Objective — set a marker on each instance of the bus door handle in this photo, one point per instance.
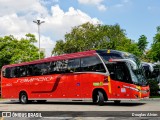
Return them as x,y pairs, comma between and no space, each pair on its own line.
118,86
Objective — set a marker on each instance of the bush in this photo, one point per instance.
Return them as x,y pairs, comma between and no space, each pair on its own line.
153,84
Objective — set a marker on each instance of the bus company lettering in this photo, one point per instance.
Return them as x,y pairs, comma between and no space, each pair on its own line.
39,79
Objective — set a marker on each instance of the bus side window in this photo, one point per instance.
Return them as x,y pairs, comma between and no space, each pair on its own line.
6,72
65,66
110,67
123,73
119,72
12,72
40,69
36,69
58,66
17,72
74,65
22,71
52,67
44,68
92,63
29,71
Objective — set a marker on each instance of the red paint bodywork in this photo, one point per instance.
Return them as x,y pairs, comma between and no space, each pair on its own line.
68,85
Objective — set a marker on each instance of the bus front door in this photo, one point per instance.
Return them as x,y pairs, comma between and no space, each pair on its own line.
120,80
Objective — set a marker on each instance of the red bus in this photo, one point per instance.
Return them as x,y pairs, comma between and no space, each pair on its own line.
97,75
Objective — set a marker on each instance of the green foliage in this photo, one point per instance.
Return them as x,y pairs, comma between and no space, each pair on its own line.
142,43
88,36
14,50
129,46
153,87
154,53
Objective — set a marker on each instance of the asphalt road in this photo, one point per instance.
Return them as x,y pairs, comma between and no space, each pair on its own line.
125,107
143,105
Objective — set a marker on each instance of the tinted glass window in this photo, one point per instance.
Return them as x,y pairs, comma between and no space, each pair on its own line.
52,67
7,72
58,66
39,69
30,70
119,71
107,56
22,71
36,69
44,68
74,65
14,72
92,63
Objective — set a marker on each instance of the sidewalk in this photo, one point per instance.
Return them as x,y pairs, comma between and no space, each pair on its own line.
151,99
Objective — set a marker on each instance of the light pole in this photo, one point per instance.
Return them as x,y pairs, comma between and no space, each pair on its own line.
38,22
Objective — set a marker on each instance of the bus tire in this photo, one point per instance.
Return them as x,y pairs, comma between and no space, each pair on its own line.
117,101
100,98
23,98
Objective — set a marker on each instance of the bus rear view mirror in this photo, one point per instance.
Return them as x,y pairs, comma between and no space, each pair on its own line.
151,70
131,62
150,66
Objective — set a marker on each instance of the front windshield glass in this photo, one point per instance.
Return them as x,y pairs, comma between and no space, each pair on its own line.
137,76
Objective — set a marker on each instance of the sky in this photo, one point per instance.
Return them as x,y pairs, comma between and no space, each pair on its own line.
136,17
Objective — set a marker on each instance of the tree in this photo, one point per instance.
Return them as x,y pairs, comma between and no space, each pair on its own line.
130,46
14,50
154,53
142,43
88,36
153,84
59,49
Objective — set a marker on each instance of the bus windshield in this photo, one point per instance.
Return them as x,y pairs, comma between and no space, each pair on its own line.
137,76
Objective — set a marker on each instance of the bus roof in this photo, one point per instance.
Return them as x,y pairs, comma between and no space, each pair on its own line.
114,51
55,58
67,56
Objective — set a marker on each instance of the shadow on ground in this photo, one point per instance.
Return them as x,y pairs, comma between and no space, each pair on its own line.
110,103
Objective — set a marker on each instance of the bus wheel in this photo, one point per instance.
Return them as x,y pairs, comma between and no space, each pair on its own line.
100,98
23,98
117,101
